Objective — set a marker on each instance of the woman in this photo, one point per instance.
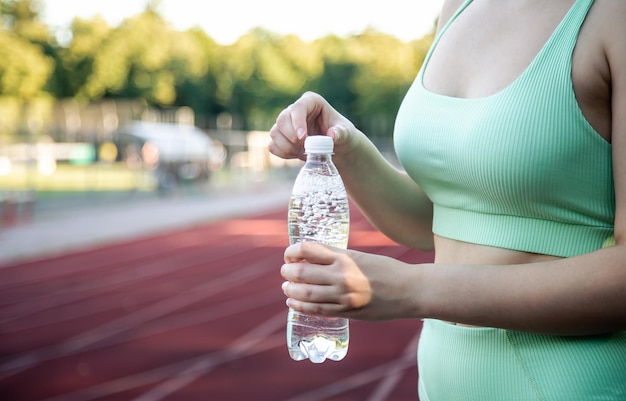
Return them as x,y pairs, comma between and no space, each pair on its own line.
513,139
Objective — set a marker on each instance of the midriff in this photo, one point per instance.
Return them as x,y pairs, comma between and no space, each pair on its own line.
450,251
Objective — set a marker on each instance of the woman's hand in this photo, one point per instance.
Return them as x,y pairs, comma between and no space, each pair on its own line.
309,115
327,281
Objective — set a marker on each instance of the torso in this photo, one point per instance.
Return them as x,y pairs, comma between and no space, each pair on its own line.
457,252
475,59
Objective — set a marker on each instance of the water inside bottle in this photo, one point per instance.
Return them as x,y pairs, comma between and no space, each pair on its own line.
320,215
319,212
317,338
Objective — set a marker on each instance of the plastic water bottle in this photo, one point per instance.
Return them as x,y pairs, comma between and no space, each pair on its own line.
318,211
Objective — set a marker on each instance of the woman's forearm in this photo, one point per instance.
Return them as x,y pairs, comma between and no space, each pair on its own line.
581,295
388,197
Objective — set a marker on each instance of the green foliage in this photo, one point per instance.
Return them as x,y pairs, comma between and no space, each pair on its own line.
24,69
365,76
24,66
22,17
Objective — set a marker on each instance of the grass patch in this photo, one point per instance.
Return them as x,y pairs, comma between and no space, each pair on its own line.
72,178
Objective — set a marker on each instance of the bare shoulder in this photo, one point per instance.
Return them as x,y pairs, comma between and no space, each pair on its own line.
615,31
608,19
447,11
610,22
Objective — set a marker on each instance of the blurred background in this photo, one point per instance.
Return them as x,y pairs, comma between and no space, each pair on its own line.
105,98
142,218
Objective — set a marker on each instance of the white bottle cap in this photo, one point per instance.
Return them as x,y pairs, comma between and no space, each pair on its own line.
318,144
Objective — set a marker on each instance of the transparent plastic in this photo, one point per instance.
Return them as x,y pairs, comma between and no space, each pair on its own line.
318,211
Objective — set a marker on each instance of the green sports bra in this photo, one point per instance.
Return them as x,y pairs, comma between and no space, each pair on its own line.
521,169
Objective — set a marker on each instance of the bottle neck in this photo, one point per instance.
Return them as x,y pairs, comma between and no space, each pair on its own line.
319,157
321,163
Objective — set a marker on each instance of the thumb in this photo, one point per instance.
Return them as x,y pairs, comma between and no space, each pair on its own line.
338,132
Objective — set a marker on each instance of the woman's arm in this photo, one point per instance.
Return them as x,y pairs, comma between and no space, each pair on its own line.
576,296
580,295
387,196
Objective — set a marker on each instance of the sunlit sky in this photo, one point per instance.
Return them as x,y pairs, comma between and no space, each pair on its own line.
227,20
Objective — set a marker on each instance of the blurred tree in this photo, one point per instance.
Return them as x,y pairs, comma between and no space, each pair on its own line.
261,73
76,60
335,81
386,69
364,76
130,60
24,69
198,54
143,58
23,18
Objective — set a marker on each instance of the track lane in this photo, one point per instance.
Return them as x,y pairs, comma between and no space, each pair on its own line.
187,315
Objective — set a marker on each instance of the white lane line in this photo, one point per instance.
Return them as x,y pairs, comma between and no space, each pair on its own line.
78,343
90,287
242,346
193,318
393,377
60,267
359,379
255,341
175,322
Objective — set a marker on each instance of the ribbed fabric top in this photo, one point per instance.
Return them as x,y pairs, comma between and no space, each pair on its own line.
521,169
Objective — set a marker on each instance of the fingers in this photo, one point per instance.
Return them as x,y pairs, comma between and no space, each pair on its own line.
284,138
314,300
309,293
316,279
306,116
319,309
309,277
309,263
293,121
313,252
308,289
306,112
282,147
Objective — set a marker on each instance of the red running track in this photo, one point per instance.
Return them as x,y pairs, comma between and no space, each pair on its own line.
195,314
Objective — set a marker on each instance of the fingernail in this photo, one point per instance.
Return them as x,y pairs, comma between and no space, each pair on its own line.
300,133
284,285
